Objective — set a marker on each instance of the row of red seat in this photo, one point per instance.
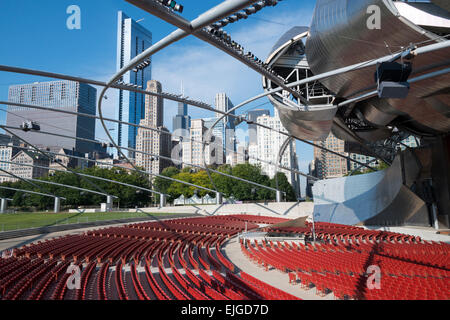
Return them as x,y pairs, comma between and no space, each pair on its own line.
198,268
342,267
325,230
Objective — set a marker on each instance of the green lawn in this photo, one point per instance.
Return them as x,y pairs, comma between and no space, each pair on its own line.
17,221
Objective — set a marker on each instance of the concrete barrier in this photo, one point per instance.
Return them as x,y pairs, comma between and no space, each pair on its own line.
290,210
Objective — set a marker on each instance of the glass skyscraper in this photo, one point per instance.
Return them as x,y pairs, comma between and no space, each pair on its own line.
132,39
181,122
66,95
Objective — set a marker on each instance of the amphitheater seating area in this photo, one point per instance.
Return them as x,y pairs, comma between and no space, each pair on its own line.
338,262
184,259
163,260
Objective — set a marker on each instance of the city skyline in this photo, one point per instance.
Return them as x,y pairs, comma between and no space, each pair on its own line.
196,64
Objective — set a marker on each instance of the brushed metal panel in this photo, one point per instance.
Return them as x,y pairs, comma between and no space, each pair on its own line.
339,37
378,197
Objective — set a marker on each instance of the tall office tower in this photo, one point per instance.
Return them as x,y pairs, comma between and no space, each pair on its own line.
353,166
329,165
193,149
310,182
242,154
253,115
268,146
219,138
223,103
132,39
63,95
181,122
411,142
151,142
8,149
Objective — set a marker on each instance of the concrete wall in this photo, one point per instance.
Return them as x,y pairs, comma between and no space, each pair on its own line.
289,210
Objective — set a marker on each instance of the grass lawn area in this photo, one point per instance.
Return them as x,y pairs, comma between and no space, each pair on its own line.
25,220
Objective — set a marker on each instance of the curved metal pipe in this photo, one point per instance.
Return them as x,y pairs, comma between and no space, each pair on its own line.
219,12
85,175
26,181
121,167
149,154
31,192
131,124
69,187
280,157
43,153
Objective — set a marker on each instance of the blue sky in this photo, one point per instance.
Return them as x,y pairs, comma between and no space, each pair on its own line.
34,35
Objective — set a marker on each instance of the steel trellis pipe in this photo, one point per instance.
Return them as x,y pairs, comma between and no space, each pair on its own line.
29,182
149,154
44,154
94,141
134,125
120,167
280,157
31,192
85,175
70,187
219,12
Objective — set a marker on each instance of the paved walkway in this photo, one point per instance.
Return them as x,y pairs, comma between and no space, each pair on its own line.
232,250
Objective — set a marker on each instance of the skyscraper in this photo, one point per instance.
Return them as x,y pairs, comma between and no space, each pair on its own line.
328,165
65,95
223,103
181,122
253,115
193,148
150,141
268,146
132,39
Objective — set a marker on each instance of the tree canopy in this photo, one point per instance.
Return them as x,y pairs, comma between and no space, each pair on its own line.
131,197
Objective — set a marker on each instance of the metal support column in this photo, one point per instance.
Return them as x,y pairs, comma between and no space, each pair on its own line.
279,196
4,205
109,203
162,200
57,205
219,199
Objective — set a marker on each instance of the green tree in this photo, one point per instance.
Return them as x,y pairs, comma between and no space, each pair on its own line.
163,185
177,189
284,186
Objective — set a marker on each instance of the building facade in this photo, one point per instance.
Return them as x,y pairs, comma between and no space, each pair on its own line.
132,39
268,146
222,102
181,122
328,165
219,138
151,142
29,158
64,95
66,157
8,149
252,116
193,148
